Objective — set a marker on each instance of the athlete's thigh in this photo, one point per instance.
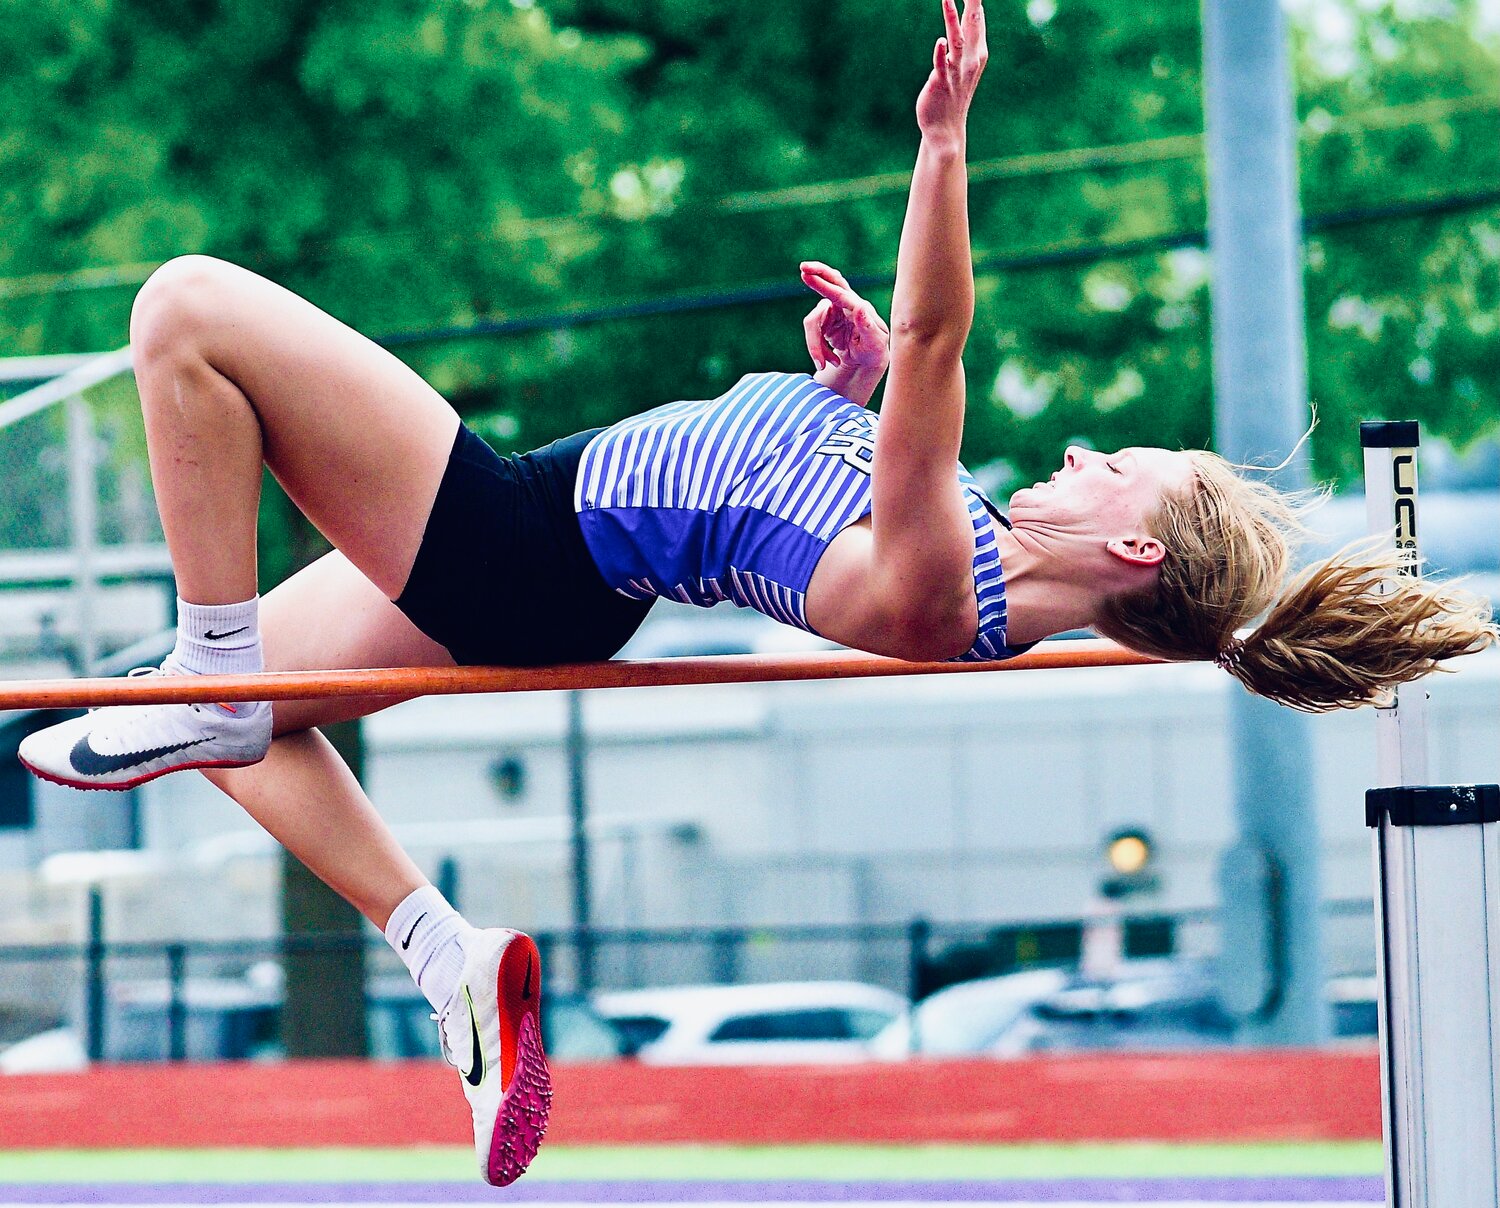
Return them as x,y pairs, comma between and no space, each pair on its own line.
358,440
329,616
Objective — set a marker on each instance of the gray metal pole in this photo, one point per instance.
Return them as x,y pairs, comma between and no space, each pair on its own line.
1260,398
96,992
583,916
83,502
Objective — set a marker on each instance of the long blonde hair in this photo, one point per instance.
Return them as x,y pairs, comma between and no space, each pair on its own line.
1343,632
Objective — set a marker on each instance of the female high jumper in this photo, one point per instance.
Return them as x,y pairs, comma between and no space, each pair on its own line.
785,495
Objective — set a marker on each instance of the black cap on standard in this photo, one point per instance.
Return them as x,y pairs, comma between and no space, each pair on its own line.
1389,434
1433,804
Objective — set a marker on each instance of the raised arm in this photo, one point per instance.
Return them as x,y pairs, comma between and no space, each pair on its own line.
922,538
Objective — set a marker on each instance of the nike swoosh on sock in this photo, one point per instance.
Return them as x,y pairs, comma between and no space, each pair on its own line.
406,943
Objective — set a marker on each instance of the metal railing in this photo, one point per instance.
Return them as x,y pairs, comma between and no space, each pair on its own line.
83,570
915,957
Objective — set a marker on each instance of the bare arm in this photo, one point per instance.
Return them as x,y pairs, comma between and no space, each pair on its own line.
922,539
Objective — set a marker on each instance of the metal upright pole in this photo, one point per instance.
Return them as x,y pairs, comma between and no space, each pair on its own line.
95,990
583,912
83,501
1437,869
1272,899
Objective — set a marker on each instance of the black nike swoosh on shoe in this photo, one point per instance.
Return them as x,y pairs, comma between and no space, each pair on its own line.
88,762
474,1075
526,985
211,636
406,943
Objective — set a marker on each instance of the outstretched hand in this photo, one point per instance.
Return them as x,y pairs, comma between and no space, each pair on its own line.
958,61
843,329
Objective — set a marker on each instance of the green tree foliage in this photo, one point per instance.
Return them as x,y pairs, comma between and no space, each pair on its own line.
1403,316
378,158
422,164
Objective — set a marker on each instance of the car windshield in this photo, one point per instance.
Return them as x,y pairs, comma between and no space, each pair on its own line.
965,1018
638,1030
803,1023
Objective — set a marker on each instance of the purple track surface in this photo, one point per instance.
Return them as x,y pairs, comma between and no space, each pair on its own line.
1348,1189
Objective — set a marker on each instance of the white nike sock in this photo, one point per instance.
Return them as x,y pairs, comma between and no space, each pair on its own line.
428,935
218,639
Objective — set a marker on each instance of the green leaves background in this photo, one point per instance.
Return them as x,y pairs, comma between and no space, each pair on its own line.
420,165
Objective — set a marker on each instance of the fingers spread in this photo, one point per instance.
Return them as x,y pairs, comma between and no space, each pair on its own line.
951,24
973,33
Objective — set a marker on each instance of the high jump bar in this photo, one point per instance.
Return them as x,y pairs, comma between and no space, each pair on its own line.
405,682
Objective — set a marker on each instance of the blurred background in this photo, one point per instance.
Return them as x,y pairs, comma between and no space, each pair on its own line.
562,212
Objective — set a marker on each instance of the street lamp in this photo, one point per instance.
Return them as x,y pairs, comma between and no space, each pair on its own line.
1128,853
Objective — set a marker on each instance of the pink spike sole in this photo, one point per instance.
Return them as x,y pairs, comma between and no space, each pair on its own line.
521,1122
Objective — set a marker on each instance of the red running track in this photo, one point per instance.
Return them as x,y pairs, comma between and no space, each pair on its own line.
1242,1096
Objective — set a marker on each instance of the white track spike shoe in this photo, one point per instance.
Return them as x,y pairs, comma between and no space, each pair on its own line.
121,746
492,1034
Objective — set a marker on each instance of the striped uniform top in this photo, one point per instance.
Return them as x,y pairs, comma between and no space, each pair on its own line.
736,498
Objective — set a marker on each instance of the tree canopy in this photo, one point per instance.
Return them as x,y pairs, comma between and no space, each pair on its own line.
641,180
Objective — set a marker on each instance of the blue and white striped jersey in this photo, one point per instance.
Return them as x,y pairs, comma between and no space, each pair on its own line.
736,498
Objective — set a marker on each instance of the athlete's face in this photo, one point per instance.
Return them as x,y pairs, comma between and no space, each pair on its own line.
1105,495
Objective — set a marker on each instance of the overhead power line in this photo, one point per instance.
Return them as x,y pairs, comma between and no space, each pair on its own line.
1434,206
1009,167
1318,125
1086,159
1056,256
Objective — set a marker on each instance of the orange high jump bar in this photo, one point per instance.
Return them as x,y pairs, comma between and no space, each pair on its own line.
403,682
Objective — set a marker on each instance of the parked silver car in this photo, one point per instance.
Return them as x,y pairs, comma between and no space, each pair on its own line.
774,1023
1166,1003
969,1017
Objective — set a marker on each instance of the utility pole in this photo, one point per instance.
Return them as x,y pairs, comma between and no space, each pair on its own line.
578,814
1270,881
323,1011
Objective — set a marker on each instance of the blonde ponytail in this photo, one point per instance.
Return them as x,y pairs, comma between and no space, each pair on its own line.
1342,633
1350,628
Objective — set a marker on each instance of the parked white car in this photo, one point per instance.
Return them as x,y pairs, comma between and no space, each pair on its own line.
774,1023
969,1017
57,1050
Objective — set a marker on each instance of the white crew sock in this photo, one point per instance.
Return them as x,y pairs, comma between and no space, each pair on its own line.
218,639
428,935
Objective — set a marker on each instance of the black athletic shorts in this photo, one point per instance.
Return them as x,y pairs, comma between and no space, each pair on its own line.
502,575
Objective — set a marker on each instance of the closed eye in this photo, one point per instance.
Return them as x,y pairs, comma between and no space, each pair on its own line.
1114,467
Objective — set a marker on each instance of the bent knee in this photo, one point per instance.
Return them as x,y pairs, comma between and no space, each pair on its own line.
179,304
